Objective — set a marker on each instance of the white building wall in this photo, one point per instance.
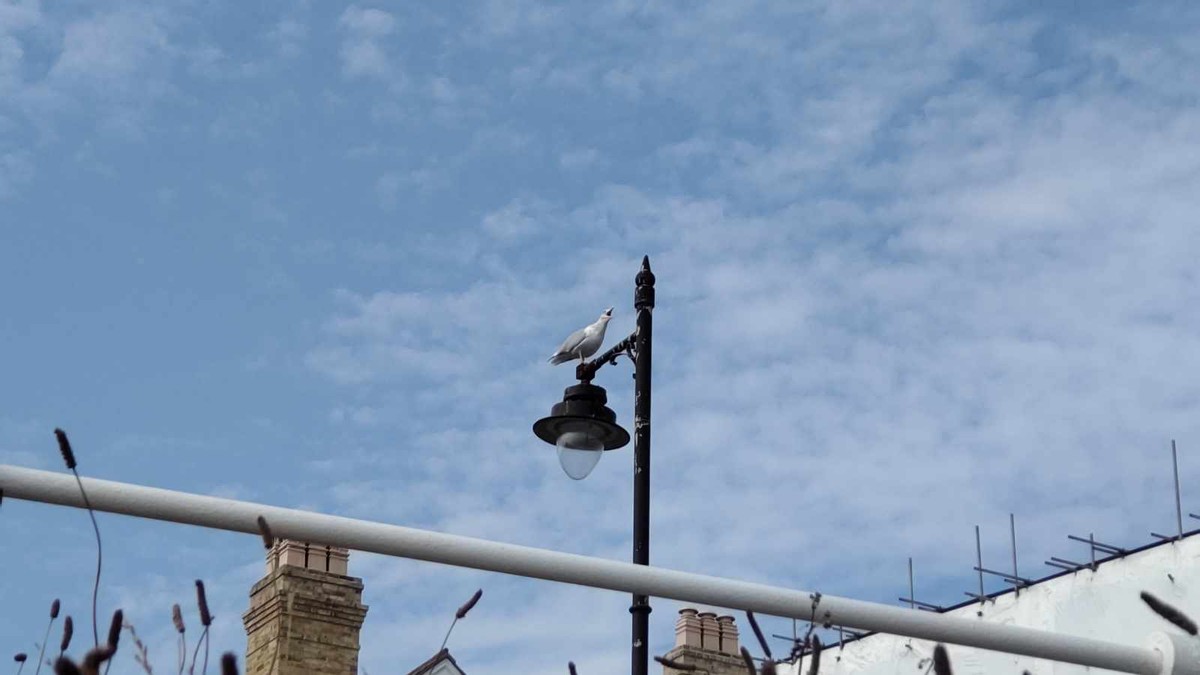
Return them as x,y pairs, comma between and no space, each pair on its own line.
1104,605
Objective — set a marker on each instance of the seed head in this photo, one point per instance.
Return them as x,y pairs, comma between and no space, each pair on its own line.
68,631
64,446
98,655
462,611
202,602
114,629
177,618
265,530
1170,613
941,660
65,666
749,660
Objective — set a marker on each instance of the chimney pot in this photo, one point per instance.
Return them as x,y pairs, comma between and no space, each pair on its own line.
710,632
687,628
729,635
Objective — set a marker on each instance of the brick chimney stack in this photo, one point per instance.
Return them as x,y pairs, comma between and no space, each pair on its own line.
305,614
707,641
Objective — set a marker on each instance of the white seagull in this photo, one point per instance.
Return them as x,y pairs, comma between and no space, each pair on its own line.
583,342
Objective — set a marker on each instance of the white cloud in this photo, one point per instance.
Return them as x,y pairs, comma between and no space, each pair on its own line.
516,220
393,186
15,170
114,63
902,291
914,273
16,19
109,48
362,51
16,16
579,158
368,22
288,36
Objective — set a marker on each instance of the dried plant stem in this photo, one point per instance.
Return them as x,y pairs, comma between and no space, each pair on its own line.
99,557
64,446
203,638
762,642
142,656
182,652
204,669
450,630
42,654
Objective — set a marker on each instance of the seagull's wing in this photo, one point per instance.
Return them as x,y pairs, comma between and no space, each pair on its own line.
567,351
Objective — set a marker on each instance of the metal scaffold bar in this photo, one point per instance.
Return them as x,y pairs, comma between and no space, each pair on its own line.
394,540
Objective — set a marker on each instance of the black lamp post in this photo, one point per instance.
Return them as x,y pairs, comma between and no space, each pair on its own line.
583,427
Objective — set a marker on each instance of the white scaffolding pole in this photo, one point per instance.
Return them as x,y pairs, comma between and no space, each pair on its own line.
1160,658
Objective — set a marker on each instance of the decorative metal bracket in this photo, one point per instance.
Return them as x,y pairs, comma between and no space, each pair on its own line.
584,372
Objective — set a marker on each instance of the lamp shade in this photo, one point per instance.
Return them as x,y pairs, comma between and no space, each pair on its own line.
581,426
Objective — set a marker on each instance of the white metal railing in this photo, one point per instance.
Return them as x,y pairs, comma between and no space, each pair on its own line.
1163,655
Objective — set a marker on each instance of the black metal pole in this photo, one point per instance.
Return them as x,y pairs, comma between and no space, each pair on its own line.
643,302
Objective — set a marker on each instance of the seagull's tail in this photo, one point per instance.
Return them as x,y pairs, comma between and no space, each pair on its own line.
560,358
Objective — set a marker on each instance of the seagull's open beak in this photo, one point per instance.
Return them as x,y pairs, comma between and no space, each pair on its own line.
608,312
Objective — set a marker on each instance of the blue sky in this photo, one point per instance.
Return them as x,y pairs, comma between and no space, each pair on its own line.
921,265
